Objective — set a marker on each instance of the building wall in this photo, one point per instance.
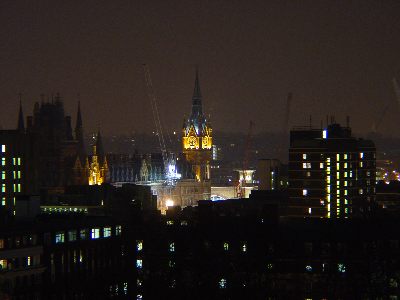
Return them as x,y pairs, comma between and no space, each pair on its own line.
331,176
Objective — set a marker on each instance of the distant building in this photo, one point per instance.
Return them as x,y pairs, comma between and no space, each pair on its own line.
331,173
197,137
270,174
57,148
18,162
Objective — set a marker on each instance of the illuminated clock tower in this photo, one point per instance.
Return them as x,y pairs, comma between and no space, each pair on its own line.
197,137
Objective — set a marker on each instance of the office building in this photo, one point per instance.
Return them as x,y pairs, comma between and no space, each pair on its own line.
331,173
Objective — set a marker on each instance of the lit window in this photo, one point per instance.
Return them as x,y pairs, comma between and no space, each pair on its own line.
346,201
244,247
83,234
361,191
14,161
95,233
19,174
118,230
308,268
3,148
3,161
139,245
345,165
328,179
337,175
139,297
270,266
304,156
19,161
19,187
304,165
308,174
361,164
171,264
341,268
345,174
338,157
345,156
337,166
139,282
72,235
1,244
309,210
305,192
107,232
351,174
139,263
222,283
324,134
361,155
226,246
321,165
28,261
345,192
3,264
172,247
308,165
345,183
170,222
59,237
3,175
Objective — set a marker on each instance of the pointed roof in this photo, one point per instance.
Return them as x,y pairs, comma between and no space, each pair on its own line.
99,146
21,126
78,117
196,99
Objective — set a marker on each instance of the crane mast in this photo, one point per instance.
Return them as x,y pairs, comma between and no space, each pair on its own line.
156,116
245,163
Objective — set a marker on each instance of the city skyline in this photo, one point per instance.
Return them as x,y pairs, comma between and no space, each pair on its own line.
336,58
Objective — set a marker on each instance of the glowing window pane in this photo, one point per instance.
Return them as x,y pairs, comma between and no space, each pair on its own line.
139,263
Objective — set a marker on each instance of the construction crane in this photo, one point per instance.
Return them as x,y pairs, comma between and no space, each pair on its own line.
245,163
156,117
378,122
396,90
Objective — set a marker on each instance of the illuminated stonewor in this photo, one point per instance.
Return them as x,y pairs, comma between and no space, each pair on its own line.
197,137
98,168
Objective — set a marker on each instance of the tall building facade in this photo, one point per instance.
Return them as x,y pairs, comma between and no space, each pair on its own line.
331,173
18,159
197,137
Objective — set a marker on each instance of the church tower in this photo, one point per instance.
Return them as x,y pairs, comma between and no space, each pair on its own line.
197,137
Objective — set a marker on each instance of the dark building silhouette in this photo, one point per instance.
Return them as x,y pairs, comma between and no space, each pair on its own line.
57,147
18,164
331,173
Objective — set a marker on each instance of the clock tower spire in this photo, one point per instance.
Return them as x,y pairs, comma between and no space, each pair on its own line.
197,136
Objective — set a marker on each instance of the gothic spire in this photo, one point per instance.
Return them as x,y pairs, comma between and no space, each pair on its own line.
78,117
21,126
99,146
79,132
196,99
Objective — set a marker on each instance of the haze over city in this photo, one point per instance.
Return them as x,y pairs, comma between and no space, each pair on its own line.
336,57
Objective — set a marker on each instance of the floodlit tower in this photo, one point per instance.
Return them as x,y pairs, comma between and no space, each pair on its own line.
197,137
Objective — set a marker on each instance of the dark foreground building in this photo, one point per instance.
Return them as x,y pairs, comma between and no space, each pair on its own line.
237,250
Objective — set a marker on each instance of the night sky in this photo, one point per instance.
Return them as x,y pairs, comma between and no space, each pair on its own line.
337,57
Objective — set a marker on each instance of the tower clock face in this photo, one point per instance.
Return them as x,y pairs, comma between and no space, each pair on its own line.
192,142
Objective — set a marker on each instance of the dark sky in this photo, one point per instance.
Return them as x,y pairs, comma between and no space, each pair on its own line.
337,57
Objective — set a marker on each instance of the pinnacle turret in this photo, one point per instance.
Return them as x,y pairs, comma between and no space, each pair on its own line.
197,109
